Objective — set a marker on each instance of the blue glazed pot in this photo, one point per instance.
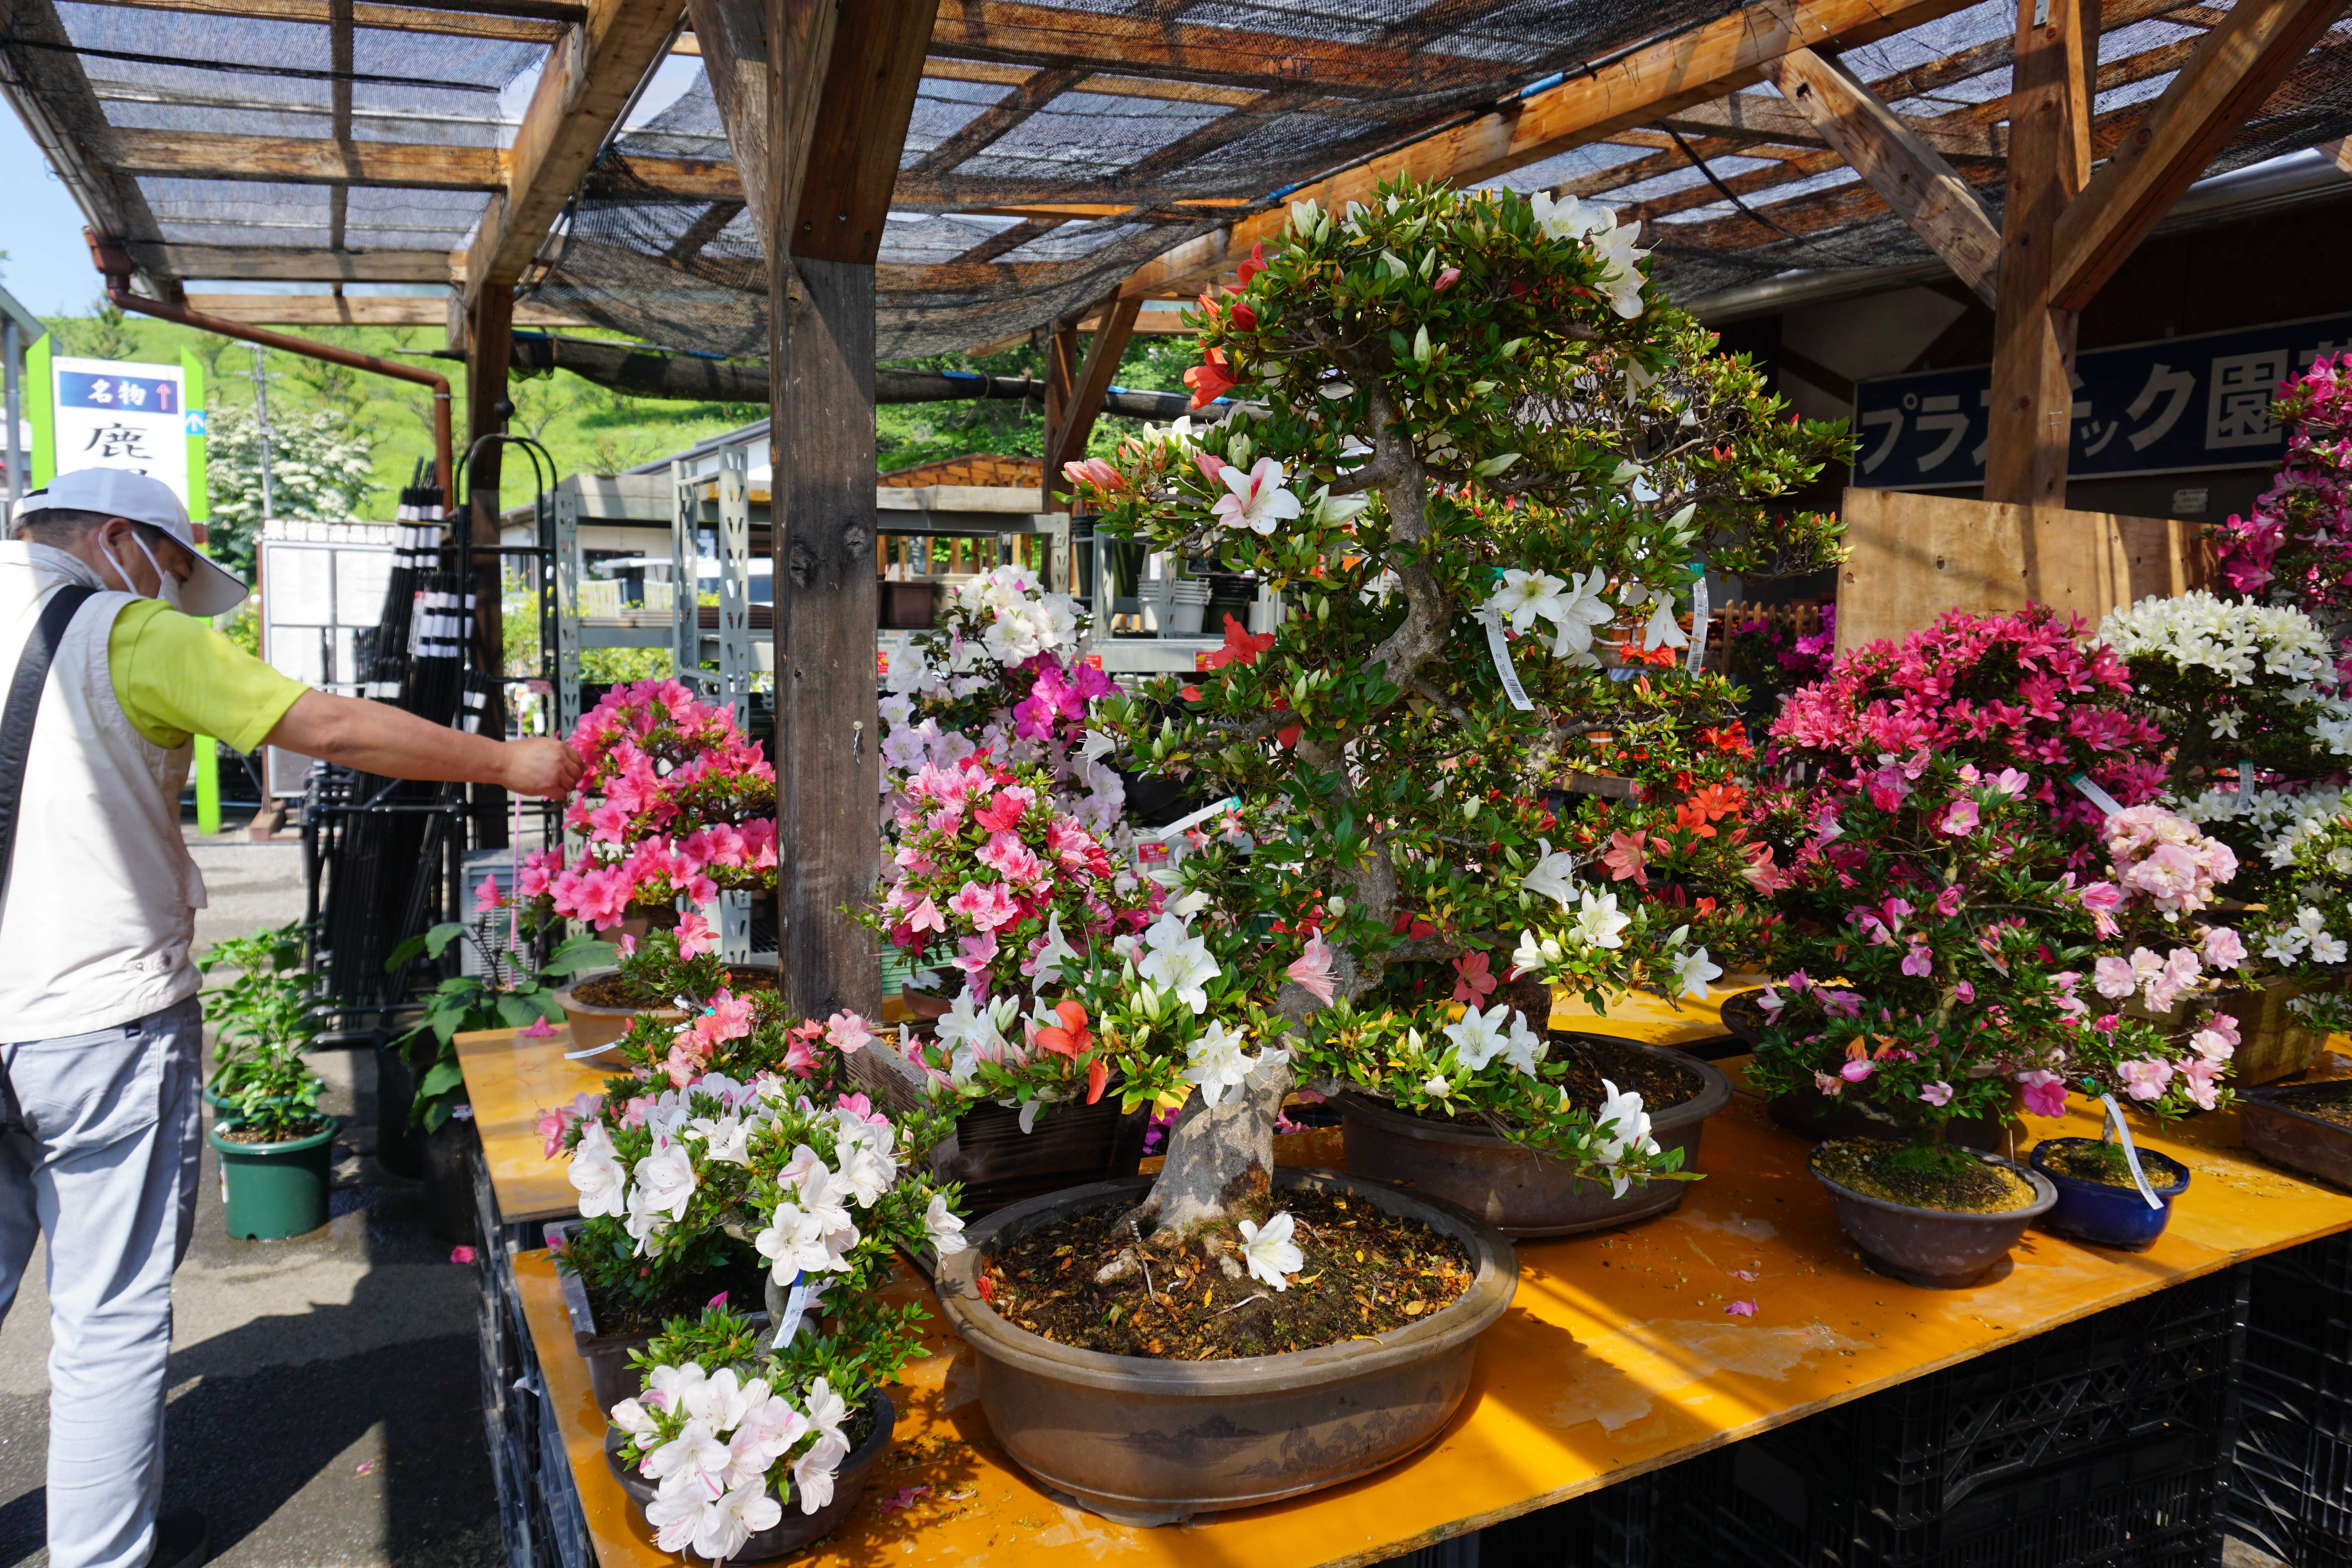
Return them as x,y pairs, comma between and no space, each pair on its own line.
2104,1215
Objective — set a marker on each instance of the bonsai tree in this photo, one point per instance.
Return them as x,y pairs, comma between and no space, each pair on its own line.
1954,863
2294,548
1465,441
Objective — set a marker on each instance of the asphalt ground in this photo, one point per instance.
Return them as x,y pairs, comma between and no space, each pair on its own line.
324,1408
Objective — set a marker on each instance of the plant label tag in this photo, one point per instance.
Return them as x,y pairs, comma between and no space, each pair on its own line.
2245,787
795,1309
2093,794
2131,1150
1501,649
1698,624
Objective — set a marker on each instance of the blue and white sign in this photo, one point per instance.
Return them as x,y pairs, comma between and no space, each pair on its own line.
111,415
2171,406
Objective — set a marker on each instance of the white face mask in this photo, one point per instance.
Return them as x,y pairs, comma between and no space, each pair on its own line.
167,587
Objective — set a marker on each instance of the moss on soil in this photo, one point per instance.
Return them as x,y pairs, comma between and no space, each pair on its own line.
614,990
2104,1163
1365,1272
1922,1175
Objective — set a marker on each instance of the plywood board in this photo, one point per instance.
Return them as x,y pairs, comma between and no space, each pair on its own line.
1916,556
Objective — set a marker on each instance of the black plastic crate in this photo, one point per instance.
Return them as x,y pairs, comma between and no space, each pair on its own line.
2290,1491
2100,1444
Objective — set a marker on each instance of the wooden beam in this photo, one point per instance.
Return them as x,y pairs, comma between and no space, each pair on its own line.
523,21
1915,181
736,65
2234,69
295,264
356,311
940,67
860,126
1781,120
2033,340
301,160
1066,440
580,95
1018,33
1694,67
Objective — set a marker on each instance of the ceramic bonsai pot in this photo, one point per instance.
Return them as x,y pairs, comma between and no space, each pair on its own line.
593,1024
272,1191
2105,1215
1518,1190
1145,1441
1811,1114
1940,1248
925,1005
797,1528
611,1377
2277,1125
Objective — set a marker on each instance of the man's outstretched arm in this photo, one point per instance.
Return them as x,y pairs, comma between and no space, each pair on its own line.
377,738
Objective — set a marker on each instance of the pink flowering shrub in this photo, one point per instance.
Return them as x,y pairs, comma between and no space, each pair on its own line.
991,875
2295,547
676,803
1994,927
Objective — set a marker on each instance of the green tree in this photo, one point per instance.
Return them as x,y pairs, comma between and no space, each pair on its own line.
105,335
320,465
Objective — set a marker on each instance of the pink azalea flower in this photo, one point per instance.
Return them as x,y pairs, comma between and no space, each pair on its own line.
926,916
847,1032
2224,949
1312,969
487,896
538,1029
2113,977
1919,960
2203,1079
1473,979
1936,1093
695,937
1856,1071
2045,1092
1960,820
2144,1079
1828,1084
1741,1309
1964,992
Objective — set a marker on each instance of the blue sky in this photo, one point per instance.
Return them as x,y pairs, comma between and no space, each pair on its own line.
48,266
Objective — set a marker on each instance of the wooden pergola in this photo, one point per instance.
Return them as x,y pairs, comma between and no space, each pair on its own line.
1766,128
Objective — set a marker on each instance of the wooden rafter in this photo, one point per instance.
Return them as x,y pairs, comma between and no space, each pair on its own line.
860,125
2234,69
580,97
1749,115
1065,439
524,21
1695,67
356,311
1006,240
698,234
305,159
736,66
1018,33
294,264
1897,163
940,68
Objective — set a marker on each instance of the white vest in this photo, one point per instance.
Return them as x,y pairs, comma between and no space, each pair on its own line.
99,911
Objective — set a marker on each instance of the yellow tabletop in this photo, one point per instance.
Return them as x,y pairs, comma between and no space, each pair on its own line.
511,1079
1617,1356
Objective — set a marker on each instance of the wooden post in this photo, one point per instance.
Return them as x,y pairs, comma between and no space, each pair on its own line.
2033,341
489,342
843,82
1081,405
1061,386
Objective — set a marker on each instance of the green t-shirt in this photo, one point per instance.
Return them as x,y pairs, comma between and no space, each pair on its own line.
176,677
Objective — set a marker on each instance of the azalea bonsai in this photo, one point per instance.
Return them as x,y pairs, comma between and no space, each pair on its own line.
2295,547
2000,922
674,801
1465,444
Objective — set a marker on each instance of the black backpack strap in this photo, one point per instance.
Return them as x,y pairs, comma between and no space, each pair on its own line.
24,706
15,750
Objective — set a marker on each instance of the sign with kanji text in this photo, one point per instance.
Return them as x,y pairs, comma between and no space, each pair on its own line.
116,416
2174,406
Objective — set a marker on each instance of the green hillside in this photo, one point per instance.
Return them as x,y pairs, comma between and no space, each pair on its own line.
586,428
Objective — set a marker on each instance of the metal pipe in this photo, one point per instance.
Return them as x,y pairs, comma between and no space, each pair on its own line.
115,264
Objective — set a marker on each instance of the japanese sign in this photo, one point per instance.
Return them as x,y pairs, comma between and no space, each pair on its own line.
2170,407
134,416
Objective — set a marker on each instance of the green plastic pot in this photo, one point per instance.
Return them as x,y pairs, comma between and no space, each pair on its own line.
272,1191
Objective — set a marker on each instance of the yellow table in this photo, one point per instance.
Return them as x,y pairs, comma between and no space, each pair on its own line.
1617,1356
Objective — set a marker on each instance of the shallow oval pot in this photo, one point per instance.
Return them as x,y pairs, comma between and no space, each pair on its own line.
2277,1124
2107,1215
1146,1441
1940,1248
795,1529
1518,1190
591,1024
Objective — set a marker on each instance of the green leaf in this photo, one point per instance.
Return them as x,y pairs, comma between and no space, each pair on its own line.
440,1079
519,1013
404,952
442,935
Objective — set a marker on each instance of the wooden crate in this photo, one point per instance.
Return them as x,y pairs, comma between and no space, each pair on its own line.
1916,556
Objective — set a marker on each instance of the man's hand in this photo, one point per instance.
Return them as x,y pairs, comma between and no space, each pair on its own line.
547,769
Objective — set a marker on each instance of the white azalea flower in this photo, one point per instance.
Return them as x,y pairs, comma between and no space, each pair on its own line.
942,1228
1269,1251
1179,961
1582,607
1694,972
597,1173
1524,596
1553,874
1257,501
1623,1126
1537,955
1525,1047
667,1180
1479,1038
1217,1062
733,1520
1598,923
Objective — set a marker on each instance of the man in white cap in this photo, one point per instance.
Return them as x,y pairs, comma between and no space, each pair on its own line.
107,670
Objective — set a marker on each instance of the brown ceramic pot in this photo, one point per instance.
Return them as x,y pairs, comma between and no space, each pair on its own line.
592,1024
1145,1441
926,1004
1518,1190
1935,1247
797,1528
610,1376
2275,1125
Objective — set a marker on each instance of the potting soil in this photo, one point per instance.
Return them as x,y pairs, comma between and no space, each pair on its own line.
2335,1107
1871,1167
1365,1272
291,1133
2102,1163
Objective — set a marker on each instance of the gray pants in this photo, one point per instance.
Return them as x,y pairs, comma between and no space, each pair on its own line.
106,1168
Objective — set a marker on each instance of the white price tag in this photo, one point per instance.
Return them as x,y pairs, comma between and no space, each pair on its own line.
2131,1150
1499,646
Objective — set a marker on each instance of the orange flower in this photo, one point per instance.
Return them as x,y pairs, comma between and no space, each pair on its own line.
1098,1075
1252,265
1241,647
1071,1038
1209,380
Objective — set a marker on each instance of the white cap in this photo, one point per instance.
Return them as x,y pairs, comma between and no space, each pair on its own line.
211,589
